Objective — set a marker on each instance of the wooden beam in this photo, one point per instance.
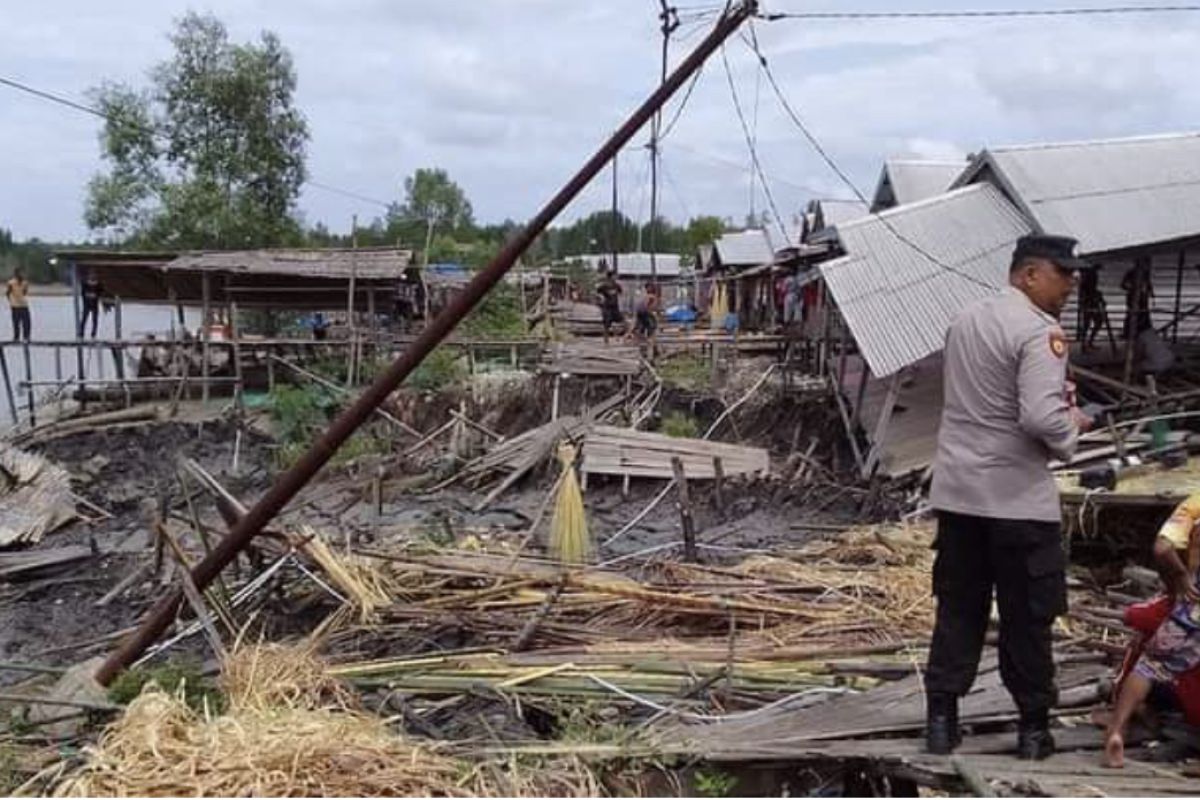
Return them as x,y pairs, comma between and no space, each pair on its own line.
881,426
686,521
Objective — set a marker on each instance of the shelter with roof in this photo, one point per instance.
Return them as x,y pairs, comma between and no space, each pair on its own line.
901,275
904,181
293,279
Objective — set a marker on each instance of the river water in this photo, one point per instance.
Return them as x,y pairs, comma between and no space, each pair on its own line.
53,319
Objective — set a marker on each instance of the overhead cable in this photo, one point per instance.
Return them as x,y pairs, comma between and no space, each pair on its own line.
155,131
979,14
737,105
845,179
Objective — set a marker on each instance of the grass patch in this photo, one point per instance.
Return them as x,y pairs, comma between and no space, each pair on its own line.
685,371
714,782
680,425
441,369
497,315
173,677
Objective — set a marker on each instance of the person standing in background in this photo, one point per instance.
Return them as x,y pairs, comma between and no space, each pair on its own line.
17,291
91,292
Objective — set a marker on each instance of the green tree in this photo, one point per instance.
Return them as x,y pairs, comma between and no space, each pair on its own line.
703,230
211,155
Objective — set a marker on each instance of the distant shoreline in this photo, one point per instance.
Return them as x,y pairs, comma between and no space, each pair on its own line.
50,289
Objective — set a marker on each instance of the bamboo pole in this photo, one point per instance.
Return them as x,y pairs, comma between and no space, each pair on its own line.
291,482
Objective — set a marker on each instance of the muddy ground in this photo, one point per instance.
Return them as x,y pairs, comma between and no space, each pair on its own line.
131,474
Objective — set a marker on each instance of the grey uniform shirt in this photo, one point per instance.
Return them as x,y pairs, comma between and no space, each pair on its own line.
1006,412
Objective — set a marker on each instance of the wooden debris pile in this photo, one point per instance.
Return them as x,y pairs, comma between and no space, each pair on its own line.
620,451
35,497
759,631
584,357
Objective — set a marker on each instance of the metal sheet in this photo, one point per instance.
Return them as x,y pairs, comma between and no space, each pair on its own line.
903,182
898,302
1110,195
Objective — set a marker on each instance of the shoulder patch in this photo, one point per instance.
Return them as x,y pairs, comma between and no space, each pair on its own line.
1058,343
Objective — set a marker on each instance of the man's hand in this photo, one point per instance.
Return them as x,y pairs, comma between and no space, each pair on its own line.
1081,420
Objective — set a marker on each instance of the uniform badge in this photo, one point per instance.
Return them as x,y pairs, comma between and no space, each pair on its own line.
1058,343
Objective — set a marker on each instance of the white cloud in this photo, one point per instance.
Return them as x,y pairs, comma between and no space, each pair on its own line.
510,96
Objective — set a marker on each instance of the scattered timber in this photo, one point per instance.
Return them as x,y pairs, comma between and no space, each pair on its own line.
35,497
619,451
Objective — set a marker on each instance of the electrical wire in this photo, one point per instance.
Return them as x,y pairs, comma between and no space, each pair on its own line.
157,131
682,105
979,14
845,179
737,105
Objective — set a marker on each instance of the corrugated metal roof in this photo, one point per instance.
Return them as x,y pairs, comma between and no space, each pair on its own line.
746,249
899,304
666,265
836,212
903,181
364,263
1110,194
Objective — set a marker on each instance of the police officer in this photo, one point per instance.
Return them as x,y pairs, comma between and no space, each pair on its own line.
1007,412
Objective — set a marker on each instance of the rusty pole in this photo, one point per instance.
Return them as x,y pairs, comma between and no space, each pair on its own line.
288,484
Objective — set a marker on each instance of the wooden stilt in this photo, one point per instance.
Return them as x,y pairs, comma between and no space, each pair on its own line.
685,511
719,484
205,311
8,388
29,386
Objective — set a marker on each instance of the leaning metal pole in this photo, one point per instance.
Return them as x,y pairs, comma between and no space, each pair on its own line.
292,481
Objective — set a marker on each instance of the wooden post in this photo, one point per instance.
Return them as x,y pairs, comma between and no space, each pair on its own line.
236,333
205,310
8,388
270,373
29,385
685,511
881,426
76,302
554,403
862,394
1178,293
719,484
118,350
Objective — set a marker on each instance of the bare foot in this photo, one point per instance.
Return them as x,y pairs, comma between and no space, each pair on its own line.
1114,752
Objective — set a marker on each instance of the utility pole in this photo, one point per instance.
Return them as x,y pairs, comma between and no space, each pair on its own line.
615,226
670,21
243,531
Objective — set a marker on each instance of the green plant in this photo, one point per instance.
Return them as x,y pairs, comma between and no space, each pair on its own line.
498,315
174,676
714,782
298,411
685,371
680,425
440,369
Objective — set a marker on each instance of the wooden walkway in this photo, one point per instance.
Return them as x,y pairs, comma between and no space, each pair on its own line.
835,732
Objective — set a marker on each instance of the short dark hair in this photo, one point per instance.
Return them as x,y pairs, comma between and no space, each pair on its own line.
1021,262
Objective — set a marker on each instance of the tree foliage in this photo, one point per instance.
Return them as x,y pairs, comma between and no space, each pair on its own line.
32,256
211,154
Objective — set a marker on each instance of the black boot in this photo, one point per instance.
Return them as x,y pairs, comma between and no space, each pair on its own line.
941,724
1034,740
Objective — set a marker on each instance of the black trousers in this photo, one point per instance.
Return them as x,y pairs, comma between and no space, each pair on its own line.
20,323
1025,563
91,308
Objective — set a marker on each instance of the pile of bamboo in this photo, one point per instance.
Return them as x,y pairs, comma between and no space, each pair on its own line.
768,626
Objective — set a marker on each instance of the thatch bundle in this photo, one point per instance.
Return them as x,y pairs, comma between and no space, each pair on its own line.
284,734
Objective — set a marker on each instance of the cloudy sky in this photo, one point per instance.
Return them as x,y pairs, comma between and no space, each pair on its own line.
510,96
